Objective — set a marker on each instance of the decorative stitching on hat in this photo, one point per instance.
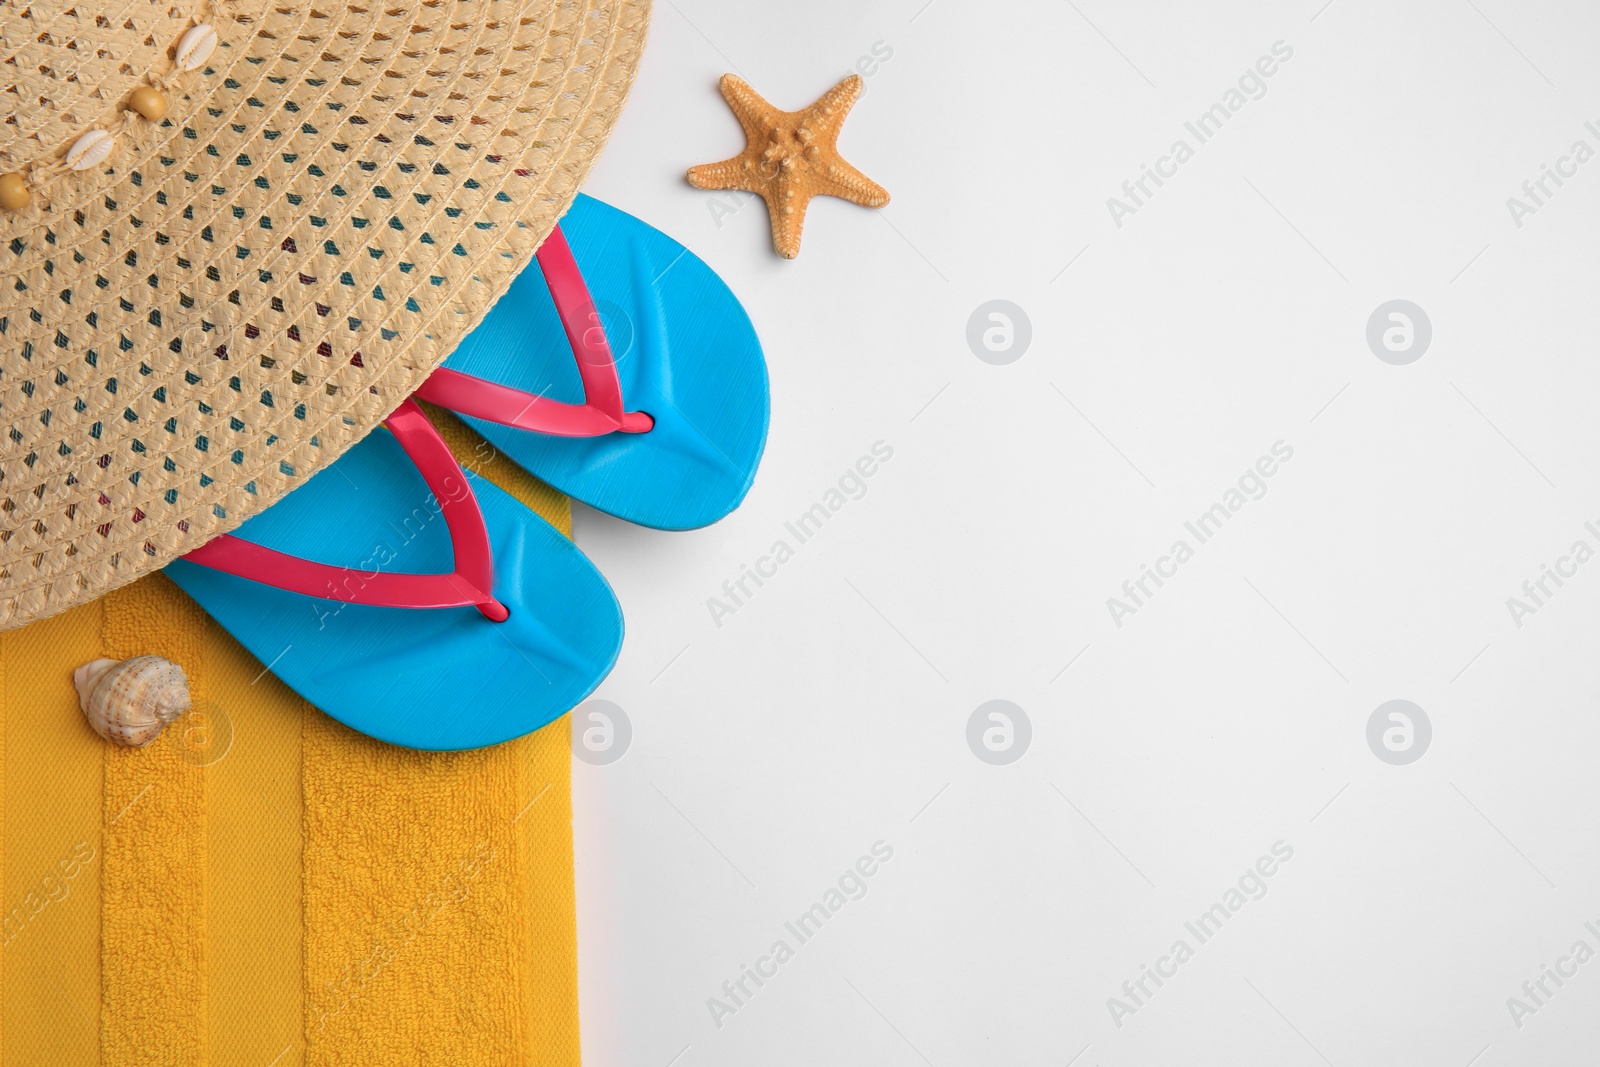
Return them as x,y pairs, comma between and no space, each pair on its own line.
39,174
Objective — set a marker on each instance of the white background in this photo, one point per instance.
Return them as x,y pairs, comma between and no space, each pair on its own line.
1230,712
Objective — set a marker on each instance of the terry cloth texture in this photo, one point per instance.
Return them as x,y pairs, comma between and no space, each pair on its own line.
285,891
153,945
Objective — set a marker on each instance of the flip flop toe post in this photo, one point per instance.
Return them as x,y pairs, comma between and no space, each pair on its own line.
634,367
411,600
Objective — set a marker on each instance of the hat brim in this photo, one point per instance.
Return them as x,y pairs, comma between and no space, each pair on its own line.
248,286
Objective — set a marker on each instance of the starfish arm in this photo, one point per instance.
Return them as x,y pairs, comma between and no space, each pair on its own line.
827,115
788,211
845,182
755,115
790,157
729,174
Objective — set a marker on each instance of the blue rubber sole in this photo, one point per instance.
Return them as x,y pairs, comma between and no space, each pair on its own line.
443,678
686,354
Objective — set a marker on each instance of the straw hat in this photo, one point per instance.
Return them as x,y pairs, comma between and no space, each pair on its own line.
235,234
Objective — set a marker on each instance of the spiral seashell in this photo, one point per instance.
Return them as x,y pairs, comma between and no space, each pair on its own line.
195,46
129,702
90,150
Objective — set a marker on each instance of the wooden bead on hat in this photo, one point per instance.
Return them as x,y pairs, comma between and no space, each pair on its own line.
148,102
13,192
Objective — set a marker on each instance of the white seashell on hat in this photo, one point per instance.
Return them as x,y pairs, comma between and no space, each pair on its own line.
195,46
90,150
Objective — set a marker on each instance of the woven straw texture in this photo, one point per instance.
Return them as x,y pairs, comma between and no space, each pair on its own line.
246,287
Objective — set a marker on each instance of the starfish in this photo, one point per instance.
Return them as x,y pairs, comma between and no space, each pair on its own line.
789,157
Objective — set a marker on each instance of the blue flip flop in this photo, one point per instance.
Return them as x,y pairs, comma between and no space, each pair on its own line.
447,615
634,366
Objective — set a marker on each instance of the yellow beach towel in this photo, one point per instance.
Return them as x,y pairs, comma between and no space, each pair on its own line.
263,886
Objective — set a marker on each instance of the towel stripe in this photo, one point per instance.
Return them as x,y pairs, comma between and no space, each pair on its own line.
53,788
252,743
415,902
155,884
418,887
546,825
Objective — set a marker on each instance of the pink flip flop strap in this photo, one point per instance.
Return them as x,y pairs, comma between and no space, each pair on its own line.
470,582
602,410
